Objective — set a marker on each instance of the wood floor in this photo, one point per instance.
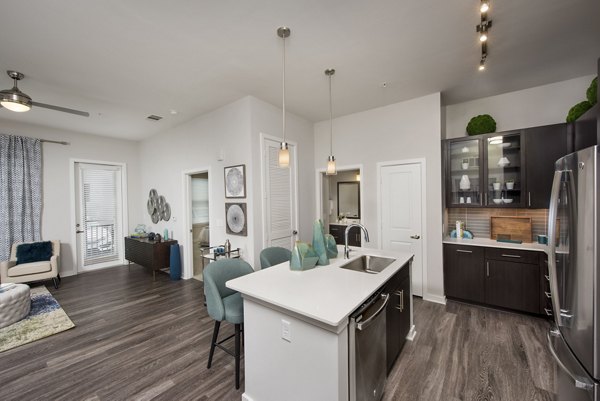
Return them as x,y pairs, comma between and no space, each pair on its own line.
141,339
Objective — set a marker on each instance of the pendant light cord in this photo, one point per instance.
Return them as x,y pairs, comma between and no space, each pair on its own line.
283,102
330,120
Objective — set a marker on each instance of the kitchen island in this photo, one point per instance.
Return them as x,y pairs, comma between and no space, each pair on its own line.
296,326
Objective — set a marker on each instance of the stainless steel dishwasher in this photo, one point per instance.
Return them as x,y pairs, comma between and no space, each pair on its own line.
367,349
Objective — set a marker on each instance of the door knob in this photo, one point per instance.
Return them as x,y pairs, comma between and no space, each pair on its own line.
78,231
295,232
415,236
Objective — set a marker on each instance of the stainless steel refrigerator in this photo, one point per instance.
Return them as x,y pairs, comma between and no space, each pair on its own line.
573,239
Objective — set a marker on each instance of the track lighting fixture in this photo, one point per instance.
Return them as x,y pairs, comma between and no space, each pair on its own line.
485,6
483,29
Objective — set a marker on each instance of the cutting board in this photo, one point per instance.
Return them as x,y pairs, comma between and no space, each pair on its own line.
511,227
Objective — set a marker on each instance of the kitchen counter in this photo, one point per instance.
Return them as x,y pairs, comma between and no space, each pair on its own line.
327,294
296,326
490,243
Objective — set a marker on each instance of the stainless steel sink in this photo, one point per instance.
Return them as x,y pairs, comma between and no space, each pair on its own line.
368,264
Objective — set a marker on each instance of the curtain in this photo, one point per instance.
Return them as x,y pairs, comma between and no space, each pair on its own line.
20,191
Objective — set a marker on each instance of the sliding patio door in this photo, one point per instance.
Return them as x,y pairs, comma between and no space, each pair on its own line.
99,215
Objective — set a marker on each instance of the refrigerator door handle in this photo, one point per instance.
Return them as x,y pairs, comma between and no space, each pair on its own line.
579,382
552,216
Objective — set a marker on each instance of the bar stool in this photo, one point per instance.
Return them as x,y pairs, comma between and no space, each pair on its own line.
225,304
273,256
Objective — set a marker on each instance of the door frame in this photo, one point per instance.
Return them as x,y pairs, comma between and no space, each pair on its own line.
294,159
188,246
424,238
73,212
319,186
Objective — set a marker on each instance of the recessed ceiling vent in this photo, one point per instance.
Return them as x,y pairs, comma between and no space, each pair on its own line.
154,117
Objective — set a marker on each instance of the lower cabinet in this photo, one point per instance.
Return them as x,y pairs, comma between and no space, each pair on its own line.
338,231
500,277
397,315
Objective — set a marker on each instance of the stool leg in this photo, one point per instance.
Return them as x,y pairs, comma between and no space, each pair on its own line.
213,343
237,356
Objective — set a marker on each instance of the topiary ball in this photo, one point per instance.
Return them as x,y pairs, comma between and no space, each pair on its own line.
482,124
577,110
592,92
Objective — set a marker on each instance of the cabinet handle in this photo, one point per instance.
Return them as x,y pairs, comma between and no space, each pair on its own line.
548,311
486,202
547,277
529,199
402,300
548,295
487,266
463,251
506,255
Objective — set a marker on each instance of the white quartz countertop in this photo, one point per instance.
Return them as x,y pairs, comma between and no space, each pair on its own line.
487,242
328,294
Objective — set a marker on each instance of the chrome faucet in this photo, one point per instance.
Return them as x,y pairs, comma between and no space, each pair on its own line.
346,249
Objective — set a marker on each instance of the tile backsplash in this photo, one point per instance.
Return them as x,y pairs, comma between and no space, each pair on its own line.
477,220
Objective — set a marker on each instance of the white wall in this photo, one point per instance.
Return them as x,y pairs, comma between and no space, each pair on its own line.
197,144
542,105
266,119
405,130
57,203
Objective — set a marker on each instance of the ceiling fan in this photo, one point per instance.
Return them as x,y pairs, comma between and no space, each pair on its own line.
15,100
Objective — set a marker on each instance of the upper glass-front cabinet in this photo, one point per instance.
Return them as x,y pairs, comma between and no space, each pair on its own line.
464,173
504,171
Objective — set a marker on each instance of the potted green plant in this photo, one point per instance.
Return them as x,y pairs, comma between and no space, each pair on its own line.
510,184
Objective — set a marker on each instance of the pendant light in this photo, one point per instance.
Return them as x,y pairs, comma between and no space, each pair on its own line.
284,153
331,170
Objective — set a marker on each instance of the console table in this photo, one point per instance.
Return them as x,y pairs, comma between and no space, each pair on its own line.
152,254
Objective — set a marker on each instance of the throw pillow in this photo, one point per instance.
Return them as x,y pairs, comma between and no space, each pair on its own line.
34,252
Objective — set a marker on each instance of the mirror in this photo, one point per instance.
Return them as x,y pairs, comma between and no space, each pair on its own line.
348,199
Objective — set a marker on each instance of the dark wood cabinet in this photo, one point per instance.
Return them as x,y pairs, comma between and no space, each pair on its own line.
463,272
397,314
585,132
513,166
546,308
152,254
543,146
500,277
338,230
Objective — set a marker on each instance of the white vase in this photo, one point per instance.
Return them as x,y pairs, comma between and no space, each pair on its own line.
464,182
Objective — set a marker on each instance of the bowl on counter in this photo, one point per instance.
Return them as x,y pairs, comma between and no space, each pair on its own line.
497,201
507,200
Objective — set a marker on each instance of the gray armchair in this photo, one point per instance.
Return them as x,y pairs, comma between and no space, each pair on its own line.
11,272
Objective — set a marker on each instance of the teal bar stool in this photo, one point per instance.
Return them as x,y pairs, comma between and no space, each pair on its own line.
225,304
273,256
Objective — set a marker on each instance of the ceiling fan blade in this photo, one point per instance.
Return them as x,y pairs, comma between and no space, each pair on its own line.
63,109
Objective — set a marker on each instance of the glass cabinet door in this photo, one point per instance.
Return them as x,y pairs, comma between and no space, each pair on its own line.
504,179
464,187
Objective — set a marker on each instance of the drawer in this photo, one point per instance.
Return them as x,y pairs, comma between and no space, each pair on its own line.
512,255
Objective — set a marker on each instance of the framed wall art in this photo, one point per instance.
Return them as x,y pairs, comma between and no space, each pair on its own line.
235,215
235,181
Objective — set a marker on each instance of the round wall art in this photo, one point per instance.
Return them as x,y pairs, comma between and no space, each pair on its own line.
157,206
235,181
236,218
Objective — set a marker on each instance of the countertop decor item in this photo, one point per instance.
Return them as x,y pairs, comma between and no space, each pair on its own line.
578,110
592,92
331,246
236,218
511,227
235,181
318,242
304,257
481,124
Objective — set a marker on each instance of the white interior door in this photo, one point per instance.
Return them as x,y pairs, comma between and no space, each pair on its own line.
401,218
280,200
99,215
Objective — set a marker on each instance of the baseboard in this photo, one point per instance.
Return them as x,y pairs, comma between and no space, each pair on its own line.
412,333
438,299
246,397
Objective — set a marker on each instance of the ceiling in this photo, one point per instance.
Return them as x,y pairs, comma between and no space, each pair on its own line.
124,60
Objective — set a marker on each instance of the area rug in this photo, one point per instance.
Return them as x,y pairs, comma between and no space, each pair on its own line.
45,319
